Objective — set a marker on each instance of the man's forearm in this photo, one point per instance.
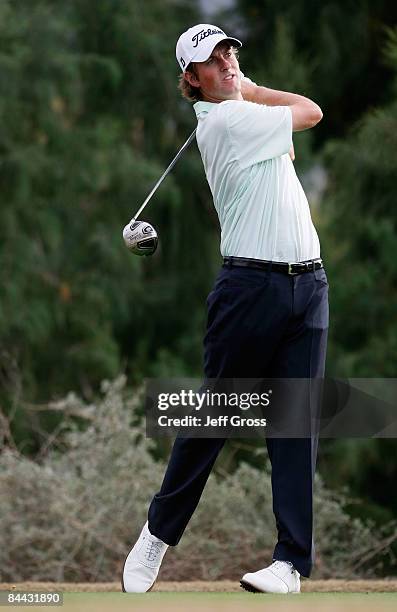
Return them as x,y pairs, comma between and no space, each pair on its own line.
305,113
270,97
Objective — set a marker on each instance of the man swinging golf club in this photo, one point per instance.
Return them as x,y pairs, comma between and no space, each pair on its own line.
268,311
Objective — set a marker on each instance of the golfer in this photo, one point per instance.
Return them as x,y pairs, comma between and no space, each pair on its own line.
268,311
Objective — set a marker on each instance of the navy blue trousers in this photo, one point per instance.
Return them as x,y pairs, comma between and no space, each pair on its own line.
261,324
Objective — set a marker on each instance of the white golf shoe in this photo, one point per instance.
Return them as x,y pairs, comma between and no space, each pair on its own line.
279,577
142,564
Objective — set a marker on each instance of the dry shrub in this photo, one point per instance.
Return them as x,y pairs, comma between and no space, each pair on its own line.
74,514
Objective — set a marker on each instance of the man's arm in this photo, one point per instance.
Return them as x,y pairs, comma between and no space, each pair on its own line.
305,113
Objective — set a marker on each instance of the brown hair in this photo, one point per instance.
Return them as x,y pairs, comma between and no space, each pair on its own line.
193,94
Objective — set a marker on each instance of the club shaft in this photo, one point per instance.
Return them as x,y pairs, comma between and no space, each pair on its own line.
167,171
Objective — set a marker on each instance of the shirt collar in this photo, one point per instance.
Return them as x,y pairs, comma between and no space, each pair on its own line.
203,107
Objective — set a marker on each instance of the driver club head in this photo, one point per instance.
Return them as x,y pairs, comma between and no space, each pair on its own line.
140,237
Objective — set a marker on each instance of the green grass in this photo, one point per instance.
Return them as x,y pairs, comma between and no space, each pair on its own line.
223,602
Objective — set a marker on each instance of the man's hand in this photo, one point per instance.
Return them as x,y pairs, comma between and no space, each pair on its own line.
292,152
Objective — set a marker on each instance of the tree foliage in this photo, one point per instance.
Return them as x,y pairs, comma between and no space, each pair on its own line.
361,231
342,44
360,247
90,113
91,116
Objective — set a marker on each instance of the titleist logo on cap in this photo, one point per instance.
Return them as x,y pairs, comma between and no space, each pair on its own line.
204,34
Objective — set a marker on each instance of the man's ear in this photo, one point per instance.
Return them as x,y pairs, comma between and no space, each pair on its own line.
191,78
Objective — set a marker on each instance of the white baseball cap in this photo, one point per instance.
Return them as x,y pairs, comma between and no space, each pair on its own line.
198,42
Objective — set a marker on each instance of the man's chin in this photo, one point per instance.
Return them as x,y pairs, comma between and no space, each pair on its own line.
233,95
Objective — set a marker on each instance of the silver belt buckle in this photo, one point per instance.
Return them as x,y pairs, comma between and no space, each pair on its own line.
290,269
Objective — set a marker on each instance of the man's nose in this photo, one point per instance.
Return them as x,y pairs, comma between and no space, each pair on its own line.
224,63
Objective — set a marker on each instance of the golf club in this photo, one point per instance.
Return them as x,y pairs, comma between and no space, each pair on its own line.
139,236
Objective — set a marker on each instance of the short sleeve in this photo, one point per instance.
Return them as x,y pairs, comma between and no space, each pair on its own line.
258,132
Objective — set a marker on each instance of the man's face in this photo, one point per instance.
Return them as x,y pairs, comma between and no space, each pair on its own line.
219,76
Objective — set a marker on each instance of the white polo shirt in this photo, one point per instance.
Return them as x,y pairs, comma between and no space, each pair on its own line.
262,208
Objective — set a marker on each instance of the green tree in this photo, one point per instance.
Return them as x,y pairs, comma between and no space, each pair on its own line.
360,245
342,43
361,212
90,116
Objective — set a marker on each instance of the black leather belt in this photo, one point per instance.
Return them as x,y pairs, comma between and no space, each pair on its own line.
275,266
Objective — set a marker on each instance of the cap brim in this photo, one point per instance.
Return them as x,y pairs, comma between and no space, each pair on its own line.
204,55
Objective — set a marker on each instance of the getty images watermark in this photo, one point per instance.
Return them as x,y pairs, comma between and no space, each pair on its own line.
212,401
282,408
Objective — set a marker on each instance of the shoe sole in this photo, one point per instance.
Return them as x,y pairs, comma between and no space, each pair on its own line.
251,589
122,579
248,587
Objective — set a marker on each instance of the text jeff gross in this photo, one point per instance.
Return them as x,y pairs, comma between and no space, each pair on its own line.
220,421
